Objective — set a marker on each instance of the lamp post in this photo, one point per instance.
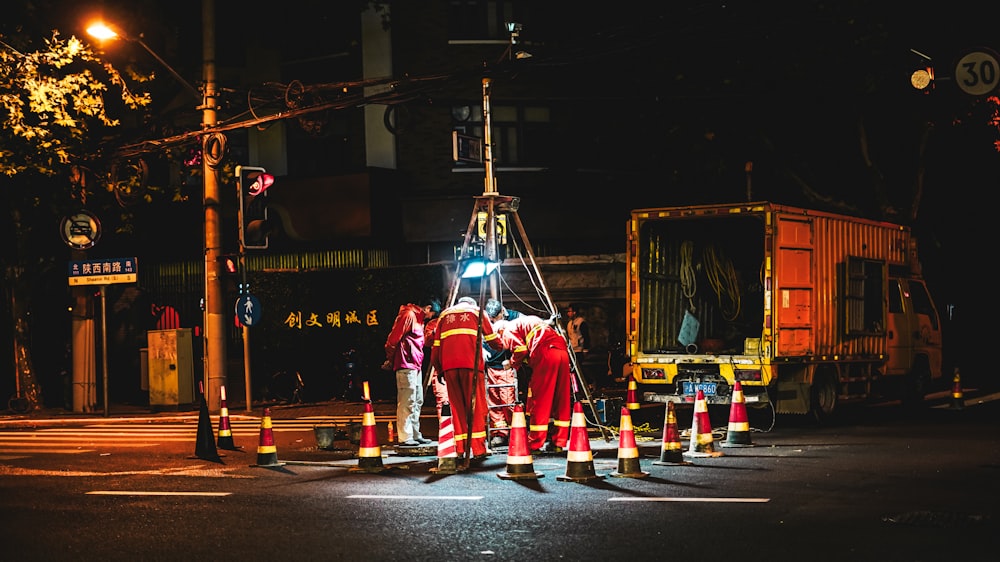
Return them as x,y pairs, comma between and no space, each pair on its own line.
104,31
213,151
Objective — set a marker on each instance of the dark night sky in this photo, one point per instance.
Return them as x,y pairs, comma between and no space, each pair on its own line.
782,84
779,83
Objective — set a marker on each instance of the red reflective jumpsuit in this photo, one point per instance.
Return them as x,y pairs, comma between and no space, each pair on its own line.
456,353
550,396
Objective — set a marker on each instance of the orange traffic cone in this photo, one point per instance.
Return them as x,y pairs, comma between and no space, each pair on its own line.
701,431
225,431
520,465
672,450
628,452
579,459
738,433
631,400
267,453
369,451
447,454
957,396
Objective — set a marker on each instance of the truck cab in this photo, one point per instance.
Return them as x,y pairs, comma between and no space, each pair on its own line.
914,341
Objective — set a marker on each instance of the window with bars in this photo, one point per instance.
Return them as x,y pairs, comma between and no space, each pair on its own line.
862,283
521,134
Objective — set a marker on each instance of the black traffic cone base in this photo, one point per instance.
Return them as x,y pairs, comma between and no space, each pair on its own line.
205,445
629,468
446,465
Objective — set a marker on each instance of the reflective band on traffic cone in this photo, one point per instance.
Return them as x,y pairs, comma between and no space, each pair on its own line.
628,452
579,459
369,451
520,465
957,396
738,433
672,450
225,431
447,454
701,431
267,453
631,400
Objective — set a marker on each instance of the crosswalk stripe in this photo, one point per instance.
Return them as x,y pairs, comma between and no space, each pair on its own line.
76,439
21,453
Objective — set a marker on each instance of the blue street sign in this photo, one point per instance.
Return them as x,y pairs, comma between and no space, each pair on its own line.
248,310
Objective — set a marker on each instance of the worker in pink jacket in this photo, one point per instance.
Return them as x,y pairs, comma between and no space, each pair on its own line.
404,351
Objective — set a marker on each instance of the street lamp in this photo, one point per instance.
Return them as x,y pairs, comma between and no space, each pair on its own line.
213,150
105,32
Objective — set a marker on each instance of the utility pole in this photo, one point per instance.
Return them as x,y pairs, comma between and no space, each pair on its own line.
213,150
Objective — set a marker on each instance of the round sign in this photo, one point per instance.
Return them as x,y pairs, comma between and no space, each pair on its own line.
248,310
977,73
81,230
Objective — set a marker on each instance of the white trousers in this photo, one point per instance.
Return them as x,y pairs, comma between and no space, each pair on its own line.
409,402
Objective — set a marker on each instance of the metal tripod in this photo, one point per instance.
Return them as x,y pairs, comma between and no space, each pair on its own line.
492,215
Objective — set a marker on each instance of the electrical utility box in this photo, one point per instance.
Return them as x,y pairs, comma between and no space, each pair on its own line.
170,369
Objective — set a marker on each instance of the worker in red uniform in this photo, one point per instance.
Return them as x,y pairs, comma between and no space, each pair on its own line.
458,356
533,341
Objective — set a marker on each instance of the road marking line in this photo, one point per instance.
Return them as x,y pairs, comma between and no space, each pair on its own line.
373,497
196,470
50,439
140,493
703,500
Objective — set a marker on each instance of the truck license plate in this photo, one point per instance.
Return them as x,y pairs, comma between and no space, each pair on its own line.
693,387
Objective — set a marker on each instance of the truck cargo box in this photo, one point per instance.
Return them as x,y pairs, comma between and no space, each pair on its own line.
750,290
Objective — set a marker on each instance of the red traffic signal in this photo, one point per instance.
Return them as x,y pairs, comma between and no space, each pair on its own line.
230,264
252,183
261,183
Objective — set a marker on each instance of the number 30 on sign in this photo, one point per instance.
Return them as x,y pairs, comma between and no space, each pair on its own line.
978,72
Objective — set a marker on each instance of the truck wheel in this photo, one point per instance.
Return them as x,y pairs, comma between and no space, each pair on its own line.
824,396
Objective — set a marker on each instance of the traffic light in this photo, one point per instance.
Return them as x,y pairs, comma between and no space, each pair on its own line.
923,79
230,264
252,183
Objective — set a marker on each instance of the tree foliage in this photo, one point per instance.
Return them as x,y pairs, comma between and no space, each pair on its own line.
56,106
53,102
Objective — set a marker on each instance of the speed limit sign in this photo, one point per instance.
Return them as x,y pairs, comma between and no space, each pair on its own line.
977,73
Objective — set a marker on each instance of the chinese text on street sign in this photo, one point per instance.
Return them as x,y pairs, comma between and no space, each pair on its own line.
103,272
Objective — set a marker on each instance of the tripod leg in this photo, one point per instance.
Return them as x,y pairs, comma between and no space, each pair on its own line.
551,306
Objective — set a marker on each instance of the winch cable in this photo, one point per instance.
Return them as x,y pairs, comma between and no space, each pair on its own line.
722,277
557,325
689,283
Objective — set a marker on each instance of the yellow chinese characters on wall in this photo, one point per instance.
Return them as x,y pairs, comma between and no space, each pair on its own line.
296,319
